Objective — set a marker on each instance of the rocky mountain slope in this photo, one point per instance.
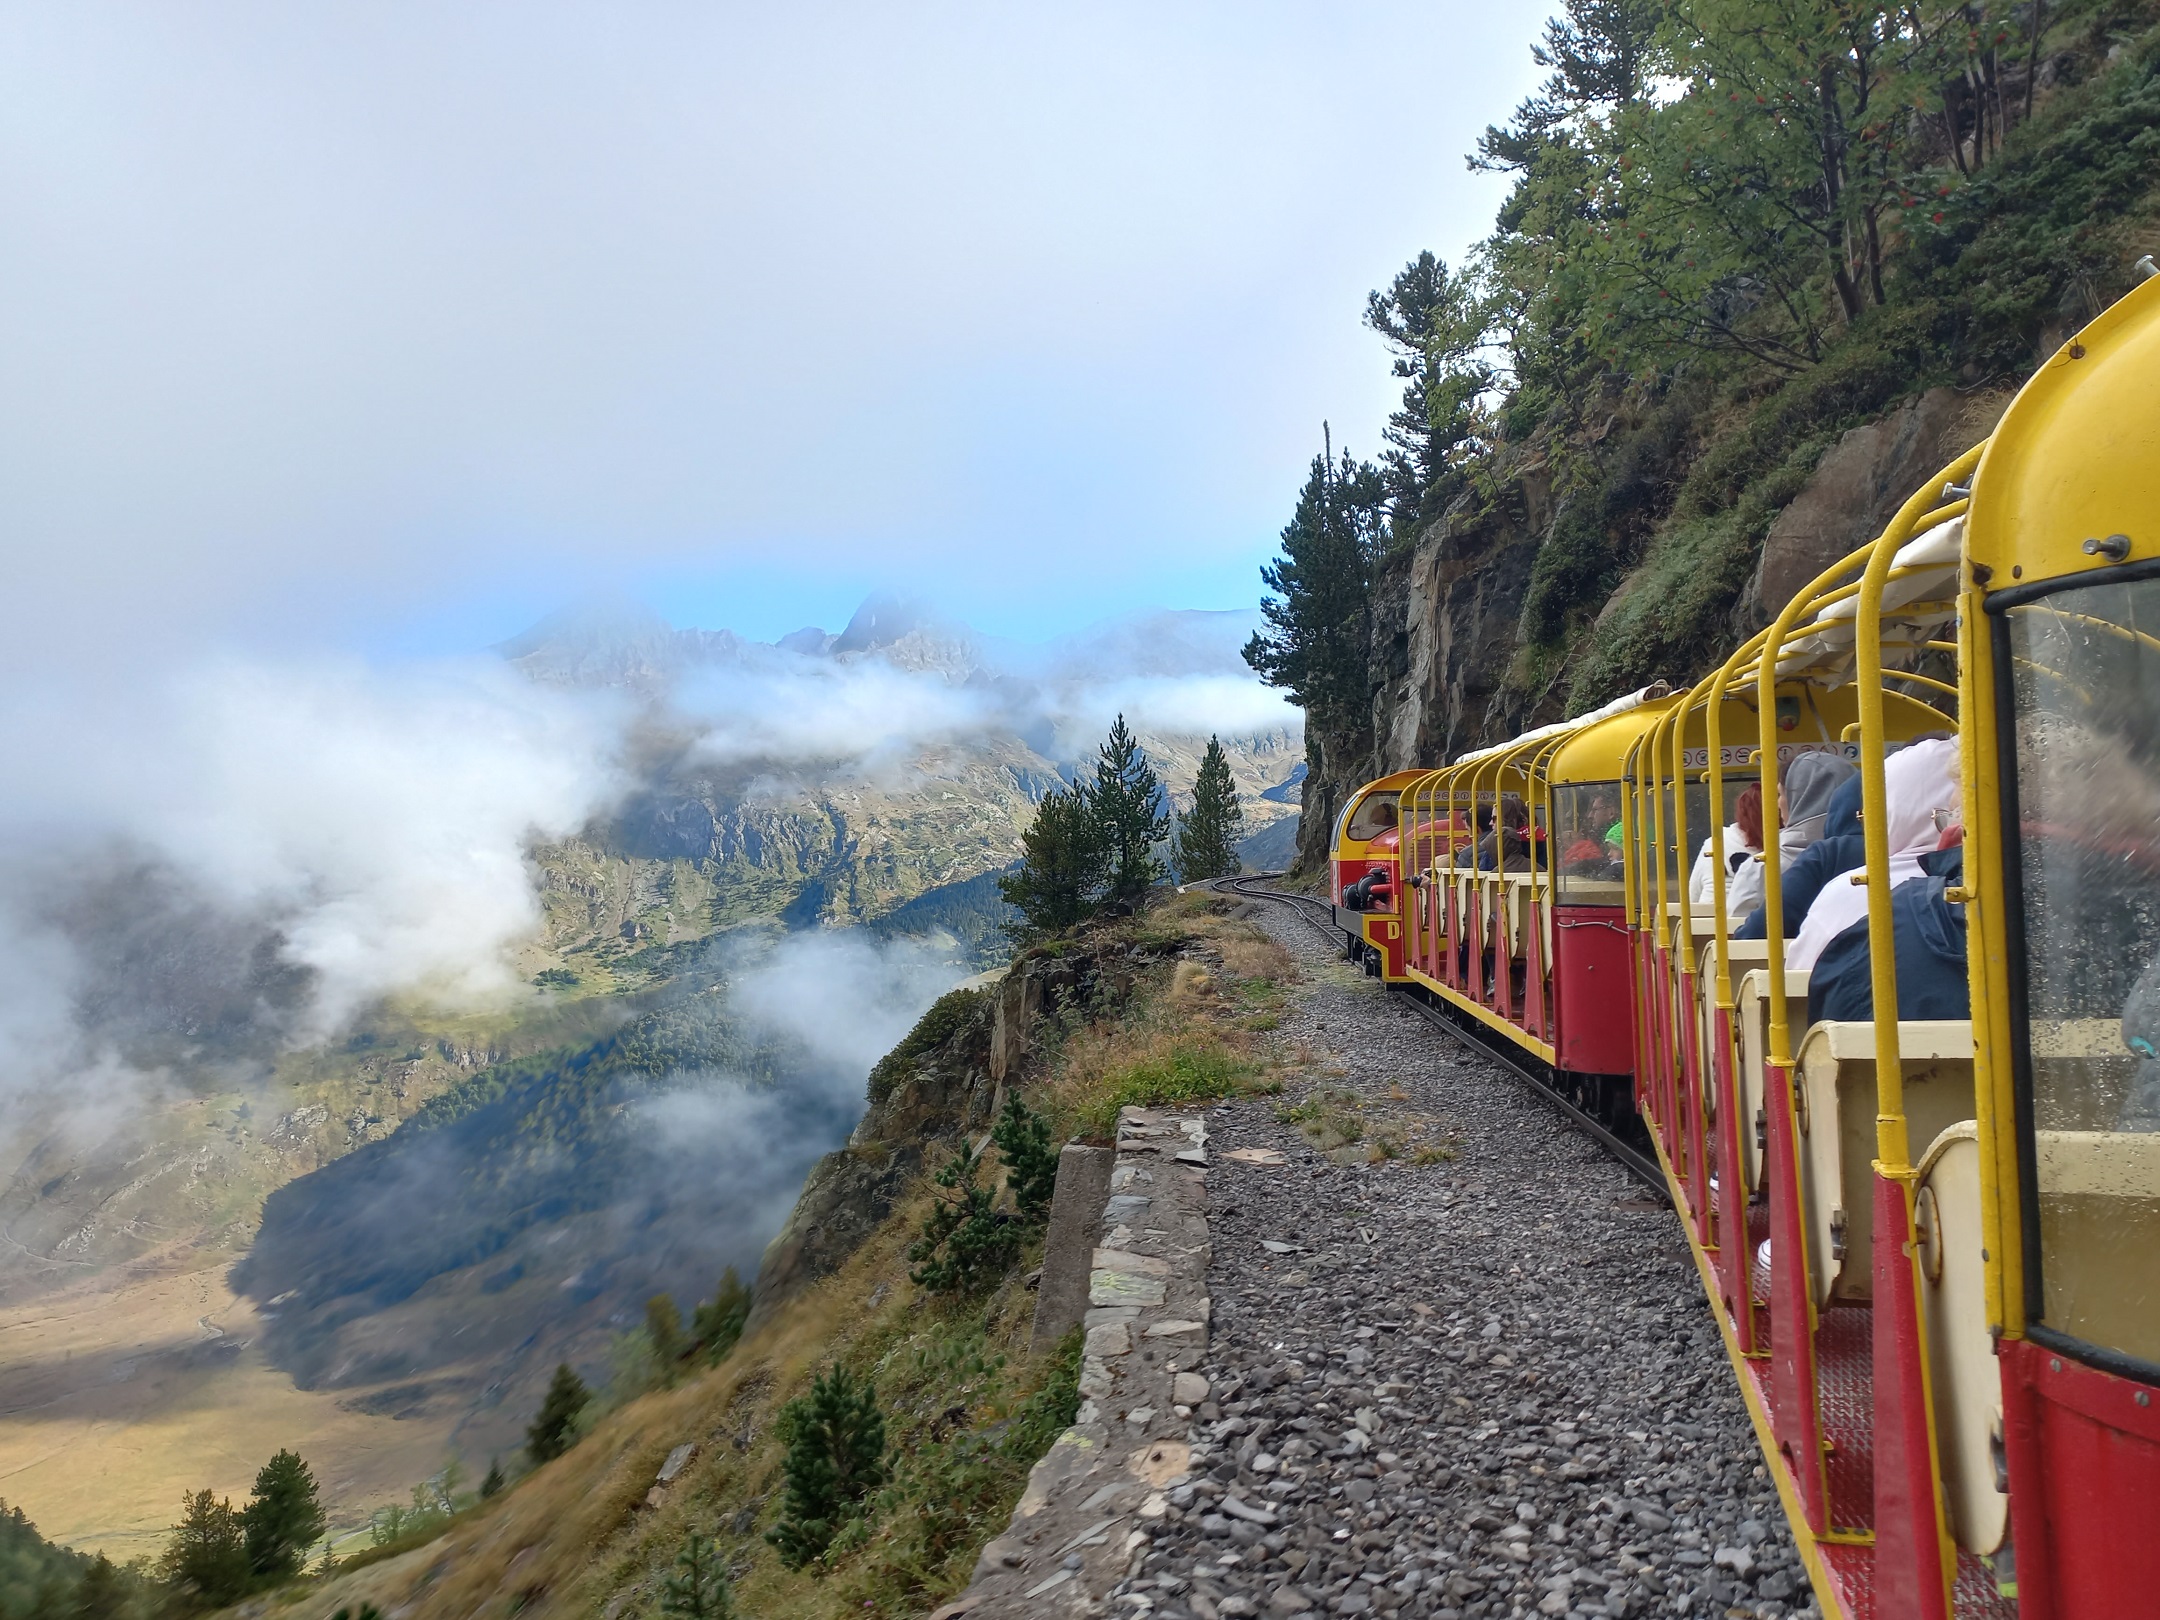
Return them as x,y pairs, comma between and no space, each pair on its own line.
829,779
1173,1001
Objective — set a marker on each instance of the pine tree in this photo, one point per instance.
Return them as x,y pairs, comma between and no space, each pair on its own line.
663,1326
1059,880
718,1324
1319,615
1436,321
1603,54
550,1436
103,1593
698,1590
493,1484
1207,834
965,1244
284,1516
207,1558
1125,802
1023,1140
835,1438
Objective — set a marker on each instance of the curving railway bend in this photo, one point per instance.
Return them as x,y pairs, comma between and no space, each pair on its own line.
1484,1385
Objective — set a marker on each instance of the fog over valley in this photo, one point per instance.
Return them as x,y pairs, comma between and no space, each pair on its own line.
422,1018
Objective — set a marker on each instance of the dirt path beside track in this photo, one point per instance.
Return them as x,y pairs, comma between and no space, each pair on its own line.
1473,1379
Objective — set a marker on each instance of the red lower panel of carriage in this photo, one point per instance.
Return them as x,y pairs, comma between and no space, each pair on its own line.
1592,1006
2084,1456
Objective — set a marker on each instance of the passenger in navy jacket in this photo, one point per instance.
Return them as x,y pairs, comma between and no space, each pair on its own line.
1929,933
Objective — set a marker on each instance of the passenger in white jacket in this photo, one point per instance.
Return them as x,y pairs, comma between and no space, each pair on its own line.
1743,872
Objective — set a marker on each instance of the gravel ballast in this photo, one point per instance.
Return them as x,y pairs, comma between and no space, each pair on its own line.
1485,1384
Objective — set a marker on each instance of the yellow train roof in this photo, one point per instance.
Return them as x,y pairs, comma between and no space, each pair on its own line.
2073,460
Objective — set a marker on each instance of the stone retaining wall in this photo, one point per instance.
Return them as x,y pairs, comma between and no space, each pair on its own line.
1083,1523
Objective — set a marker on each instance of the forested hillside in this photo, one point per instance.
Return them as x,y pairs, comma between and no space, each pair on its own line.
1738,230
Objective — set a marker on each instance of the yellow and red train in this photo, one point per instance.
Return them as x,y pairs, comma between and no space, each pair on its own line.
1897,1057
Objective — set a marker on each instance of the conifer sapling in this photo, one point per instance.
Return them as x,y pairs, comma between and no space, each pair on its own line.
1207,834
966,1242
1058,882
698,1590
835,1438
207,1558
1023,1140
1125,801
550,1434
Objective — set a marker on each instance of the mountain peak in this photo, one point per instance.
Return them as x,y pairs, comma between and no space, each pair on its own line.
882,620
614,641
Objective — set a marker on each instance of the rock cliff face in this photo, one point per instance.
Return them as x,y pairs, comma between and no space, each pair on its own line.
1857,488
1448,666
1445,631
945,1081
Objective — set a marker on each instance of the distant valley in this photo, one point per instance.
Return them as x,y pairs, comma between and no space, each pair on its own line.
800,854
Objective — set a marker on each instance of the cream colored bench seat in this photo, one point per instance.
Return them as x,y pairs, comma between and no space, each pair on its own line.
1836,1100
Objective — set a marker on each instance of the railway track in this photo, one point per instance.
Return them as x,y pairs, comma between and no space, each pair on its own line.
1320,917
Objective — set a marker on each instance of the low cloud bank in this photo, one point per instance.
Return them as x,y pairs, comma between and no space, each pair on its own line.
202,866
247,852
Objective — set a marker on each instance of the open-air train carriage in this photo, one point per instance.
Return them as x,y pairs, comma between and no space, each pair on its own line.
1928,1219
1366,873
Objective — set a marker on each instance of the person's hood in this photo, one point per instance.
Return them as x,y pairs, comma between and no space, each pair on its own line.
2141,1014
1842,817
1918,781
2141,1033
1808,787
1811,781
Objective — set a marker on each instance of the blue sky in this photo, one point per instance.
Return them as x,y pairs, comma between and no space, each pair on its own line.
391,326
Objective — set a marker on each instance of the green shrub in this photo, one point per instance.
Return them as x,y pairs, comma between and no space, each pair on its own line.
835,1438
1192,1071
1051,1410
1031,1159
966,1243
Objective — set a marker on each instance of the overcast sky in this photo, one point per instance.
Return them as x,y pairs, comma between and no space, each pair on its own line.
390,326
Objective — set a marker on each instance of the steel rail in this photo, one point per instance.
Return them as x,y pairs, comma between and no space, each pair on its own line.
1321,918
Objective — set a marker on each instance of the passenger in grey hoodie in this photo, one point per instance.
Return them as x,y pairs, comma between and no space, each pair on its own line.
1804,800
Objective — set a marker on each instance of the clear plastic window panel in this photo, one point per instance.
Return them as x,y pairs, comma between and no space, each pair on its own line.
2086,674
1374,815
1586,844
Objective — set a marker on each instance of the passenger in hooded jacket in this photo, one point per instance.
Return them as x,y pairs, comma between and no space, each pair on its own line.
1929,941
1838,850
1919,782
1804,801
